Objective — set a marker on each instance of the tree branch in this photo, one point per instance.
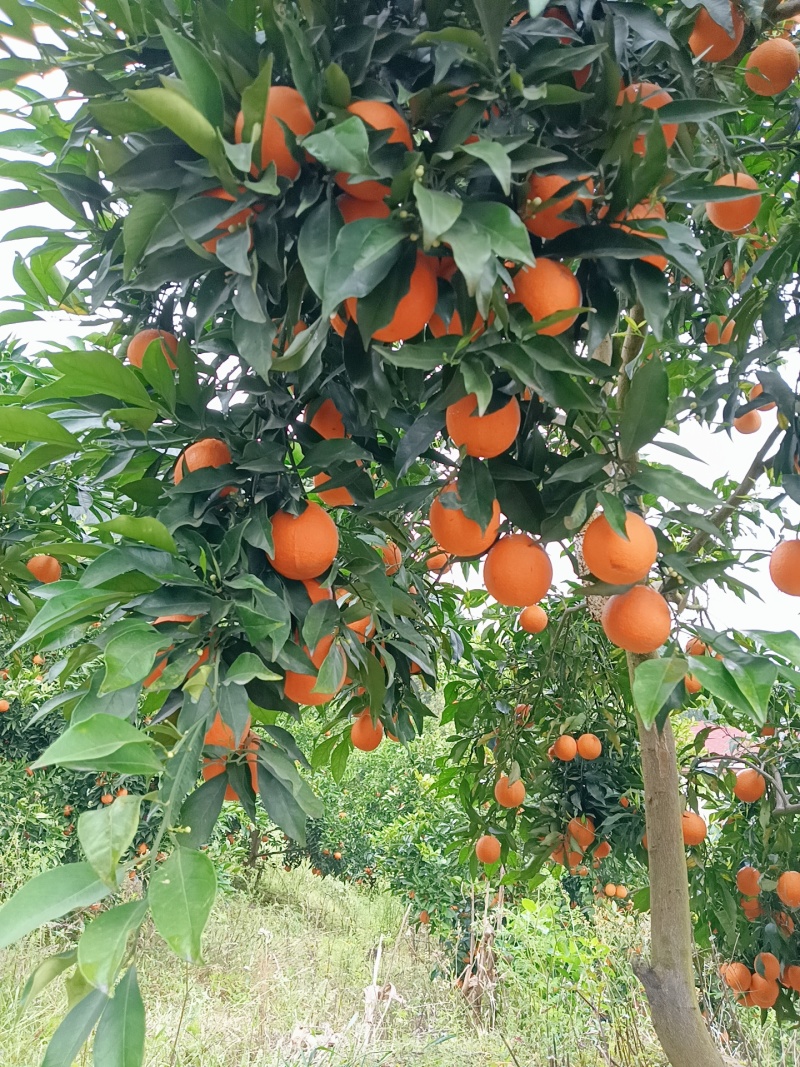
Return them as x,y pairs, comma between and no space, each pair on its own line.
787,10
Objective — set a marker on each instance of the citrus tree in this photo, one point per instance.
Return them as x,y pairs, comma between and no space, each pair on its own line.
376,287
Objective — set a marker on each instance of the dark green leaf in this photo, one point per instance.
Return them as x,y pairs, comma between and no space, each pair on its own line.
106,833
646,407
48,896
74,1030
437,212
653,681
197,75
120,1037
181,895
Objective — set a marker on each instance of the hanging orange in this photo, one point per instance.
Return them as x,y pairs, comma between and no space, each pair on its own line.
229,224
748,423
784,567
694,828
638,621
299,687
352,209
748,881
517,571
645,211
565,748
140,342
546,221
788,889
509,794
334,498
208,452
284,105
533,619
364,735
457,534
589,747
547,289
614,559
305,545
415,309
379,116
711,42
750,786
652,97
738,213
487,849
719,330
756,392
771,67
482,436
454,327
327,421
45,569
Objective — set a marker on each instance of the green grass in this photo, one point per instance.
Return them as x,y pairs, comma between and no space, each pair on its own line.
287,965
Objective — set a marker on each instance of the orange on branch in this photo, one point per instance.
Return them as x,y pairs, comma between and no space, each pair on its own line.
751,908
334,498
638,621
305,545
565,748
694,828
482,436
750,786
327,421
602,851
610,889
652,97
645,211
228,225
454,327
581,832
543,209
771,67
141,341
487,849
364,735
206,453
613,559
457,534
284,105
748,423
352,209
763,993
719,330
300,687
45,569
784,567
740,212
414,311
736,976
768,966
788,889
756,392
692,684
533,619
509,794
392,558
589,747
379,116
517,571
547,289
711,42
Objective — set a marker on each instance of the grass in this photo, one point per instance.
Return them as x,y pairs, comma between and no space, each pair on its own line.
284,983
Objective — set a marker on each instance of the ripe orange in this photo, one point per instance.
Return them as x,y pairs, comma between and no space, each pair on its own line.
581,832
565,748
791,977
284,105
694,828
784,567
106,798
546,289
229,224
719,330
624,802
509,795
788,889
455,328
456,534
298,687
750,786
221,735
768,966
533,619
352,209
546,221
692,684
438,561
392,557
414,310
214,767
756,392
763,993
602,851
748,423
735,214
589,747
711,42
613,559
139,343
487,849
517,571
751,908
748,881
379,116
638,621
771,67
621,892
736,976
652,97
784,922
482,436
646,212
610,889
695,647
424,918
767,731
208,452
327,421
334,498
304,545
364,735
45,569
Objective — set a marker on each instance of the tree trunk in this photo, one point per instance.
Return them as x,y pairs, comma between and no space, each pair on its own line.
668,978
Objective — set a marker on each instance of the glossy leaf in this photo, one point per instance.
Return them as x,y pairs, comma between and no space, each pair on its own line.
120,1037
49,896
107,833
104,942
181,895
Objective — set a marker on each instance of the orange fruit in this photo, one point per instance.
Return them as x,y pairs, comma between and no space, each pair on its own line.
456,534
364,735
791,977
767,731
694,828
788,889
214,767
589,747
304,545
392,557
784,922
692,684
352,209
4,706
482,436
139,343
574,860
735,214
517,571
581,832
487,849
784,567
414,310
45,569
610,889
646,212
327,421
284,105
711,42
509,795
221,735
768,966
771,67
424,918
719,330
621,892
438,561
638,621
624,802
545,218
736,976
763,993
298,687
316,591
756,392
533,619
455,328
208,452
751,908
229,224
546,289
695,647
750,786
565,748
334,498
613,559
748,423
379,116
602,851
652,97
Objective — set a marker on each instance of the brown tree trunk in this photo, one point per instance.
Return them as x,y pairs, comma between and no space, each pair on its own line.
668,978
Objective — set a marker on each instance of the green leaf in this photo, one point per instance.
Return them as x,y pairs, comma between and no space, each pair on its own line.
437,212
96,741
254,103
614,511
646,407
652,289
471,246
129,658
321,620
89,373
653,682
754,677
49,896
476,491
248,666
694,110
24,424
36,459
786,643
579,470
281,805
120,1037
330,672
343,147
494,16
181,896
145,529
316,243
477,381
495,156
339,758
180,773
670,484
47,971
505,229
716,679
140,224
197,74
108,832
74,1030
200,812
104,942
159,374
177,114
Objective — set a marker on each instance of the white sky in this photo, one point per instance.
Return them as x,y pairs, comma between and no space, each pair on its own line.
723,455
